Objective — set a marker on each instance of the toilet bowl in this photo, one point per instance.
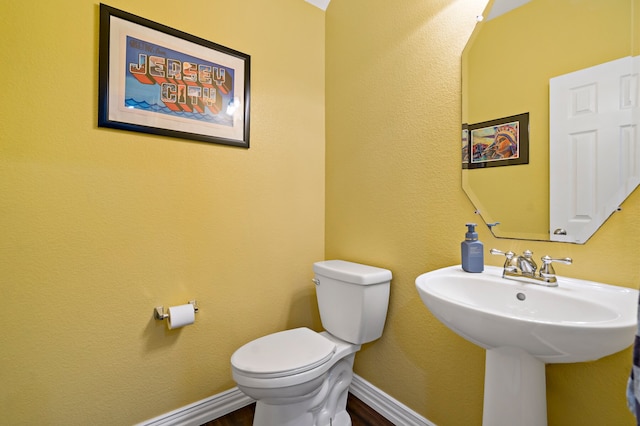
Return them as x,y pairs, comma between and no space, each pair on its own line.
306,374
300,377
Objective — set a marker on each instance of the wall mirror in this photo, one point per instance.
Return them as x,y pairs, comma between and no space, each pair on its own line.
521,81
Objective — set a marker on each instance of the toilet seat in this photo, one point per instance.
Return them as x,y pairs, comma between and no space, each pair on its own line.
283,354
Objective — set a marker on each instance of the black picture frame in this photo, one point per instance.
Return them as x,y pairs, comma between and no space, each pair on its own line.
500,142
158,80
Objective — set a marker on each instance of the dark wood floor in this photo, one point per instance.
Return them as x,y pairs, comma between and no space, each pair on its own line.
361,415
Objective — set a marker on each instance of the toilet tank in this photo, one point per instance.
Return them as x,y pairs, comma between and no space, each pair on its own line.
352,299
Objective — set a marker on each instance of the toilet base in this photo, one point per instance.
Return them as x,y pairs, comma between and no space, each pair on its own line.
326,406
267,417
342,419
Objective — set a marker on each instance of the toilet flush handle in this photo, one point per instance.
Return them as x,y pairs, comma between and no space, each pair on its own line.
316,281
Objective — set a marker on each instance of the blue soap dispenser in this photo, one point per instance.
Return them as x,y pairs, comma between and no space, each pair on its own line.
472,250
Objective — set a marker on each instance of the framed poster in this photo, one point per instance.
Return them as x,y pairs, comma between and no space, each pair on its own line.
500,142
155,79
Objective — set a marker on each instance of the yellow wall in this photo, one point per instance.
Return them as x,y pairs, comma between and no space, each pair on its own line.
99,226
394,199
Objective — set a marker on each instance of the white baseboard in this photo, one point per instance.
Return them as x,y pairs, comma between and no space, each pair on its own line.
387,406
226,402
202,411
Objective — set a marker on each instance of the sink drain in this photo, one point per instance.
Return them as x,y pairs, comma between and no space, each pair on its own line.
521,296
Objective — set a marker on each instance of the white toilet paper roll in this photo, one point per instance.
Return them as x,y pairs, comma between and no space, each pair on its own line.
182,315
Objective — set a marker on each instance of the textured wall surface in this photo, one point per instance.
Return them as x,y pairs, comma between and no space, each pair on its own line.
394,199
98,226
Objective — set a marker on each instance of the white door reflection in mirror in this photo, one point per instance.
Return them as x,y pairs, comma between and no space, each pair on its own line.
594,153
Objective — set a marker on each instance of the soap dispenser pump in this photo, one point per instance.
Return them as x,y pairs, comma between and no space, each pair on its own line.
472,250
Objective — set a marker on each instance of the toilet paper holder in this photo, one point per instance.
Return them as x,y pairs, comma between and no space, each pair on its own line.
160,314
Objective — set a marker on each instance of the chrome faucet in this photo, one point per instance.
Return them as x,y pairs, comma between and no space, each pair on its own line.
524,268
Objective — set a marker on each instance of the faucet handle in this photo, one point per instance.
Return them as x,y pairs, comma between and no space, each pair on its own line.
508,254
546,260
508,263
547,270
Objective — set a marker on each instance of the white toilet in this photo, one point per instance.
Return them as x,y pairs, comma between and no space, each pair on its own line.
301,378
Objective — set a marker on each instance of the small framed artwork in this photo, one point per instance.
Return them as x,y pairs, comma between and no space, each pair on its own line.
500,142
155,79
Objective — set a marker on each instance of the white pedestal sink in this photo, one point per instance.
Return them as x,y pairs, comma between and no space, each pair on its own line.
525,326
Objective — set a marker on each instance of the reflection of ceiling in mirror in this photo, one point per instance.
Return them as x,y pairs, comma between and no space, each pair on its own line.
322,4
501,7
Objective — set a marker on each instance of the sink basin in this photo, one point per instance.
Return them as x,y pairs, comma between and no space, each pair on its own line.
577,321
524,326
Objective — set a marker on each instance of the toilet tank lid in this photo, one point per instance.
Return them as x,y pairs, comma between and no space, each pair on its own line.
355,273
